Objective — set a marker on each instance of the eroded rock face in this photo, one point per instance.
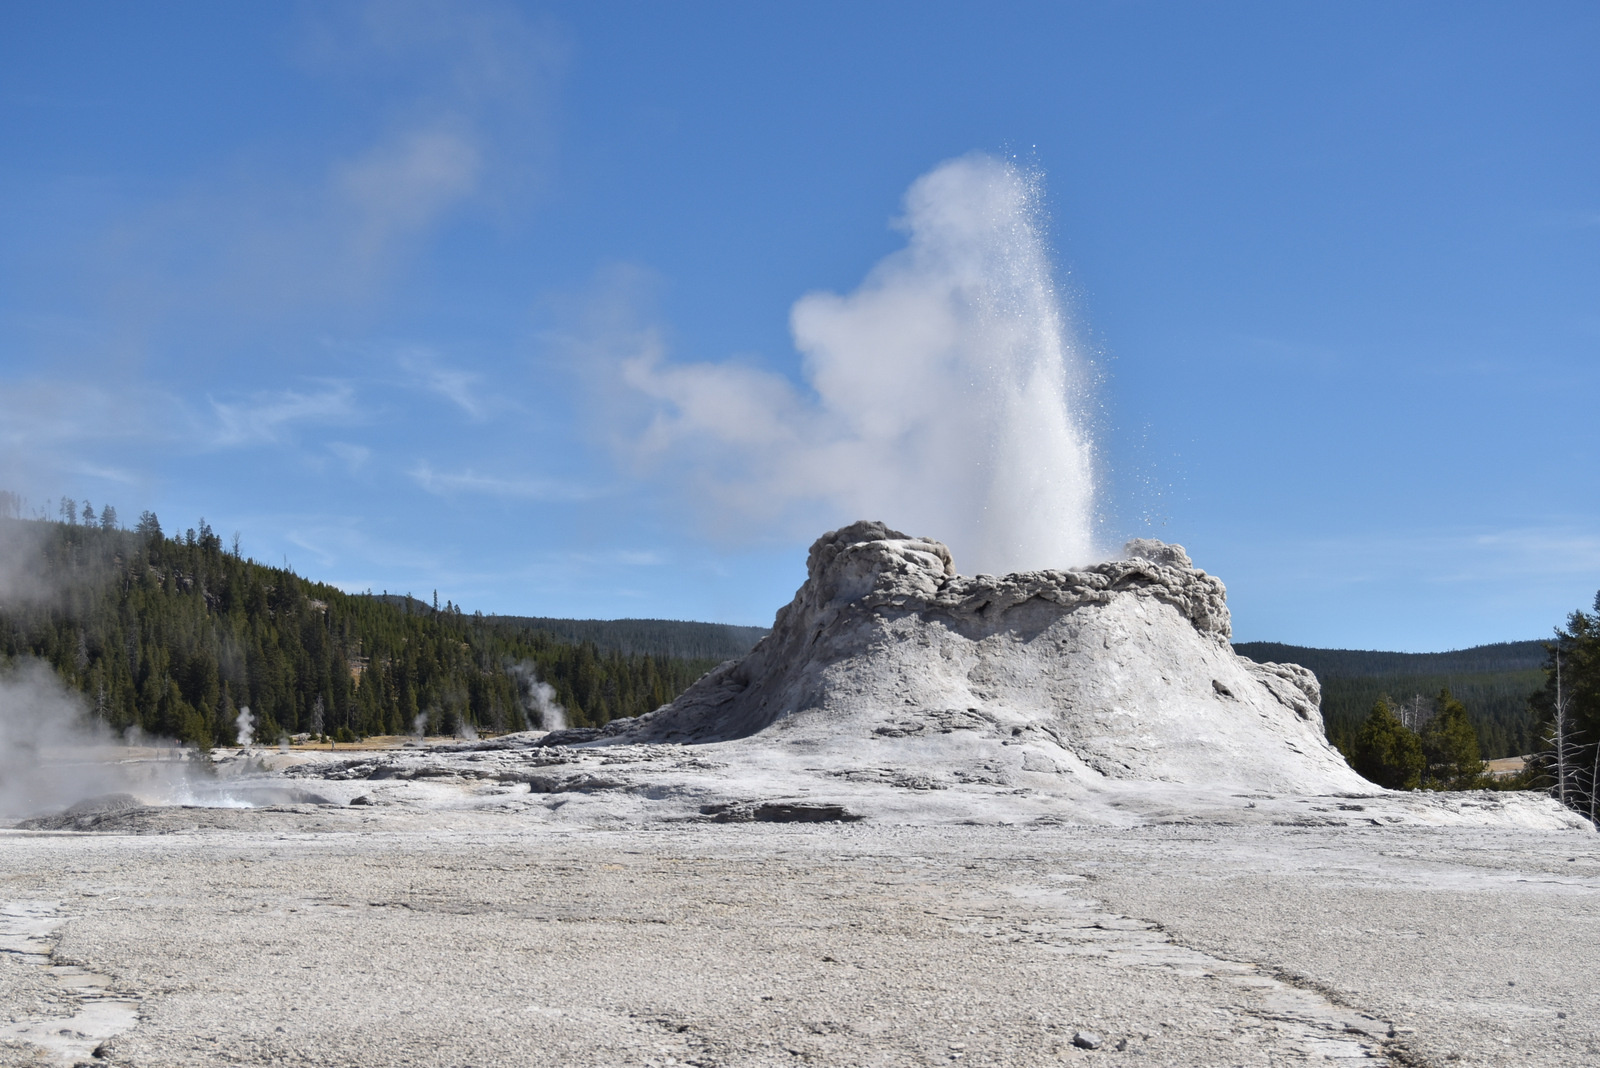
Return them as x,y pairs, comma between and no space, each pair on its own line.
1123,668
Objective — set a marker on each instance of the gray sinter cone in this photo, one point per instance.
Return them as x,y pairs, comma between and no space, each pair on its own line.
1123,668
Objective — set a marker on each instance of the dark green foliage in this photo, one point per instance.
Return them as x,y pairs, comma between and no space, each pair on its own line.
175,635
1497,704
1386,752
1492,681
1450,748
1567,762
1370,663
669,637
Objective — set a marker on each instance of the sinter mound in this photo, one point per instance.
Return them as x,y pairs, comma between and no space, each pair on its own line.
1123,669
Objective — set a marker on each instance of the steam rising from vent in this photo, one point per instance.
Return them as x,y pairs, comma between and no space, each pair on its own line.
945,394
247,726
538,698
52,754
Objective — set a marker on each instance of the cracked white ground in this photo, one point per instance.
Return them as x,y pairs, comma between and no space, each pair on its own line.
457,923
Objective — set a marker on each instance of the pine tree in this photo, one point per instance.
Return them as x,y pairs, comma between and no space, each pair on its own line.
1386,751
1450,747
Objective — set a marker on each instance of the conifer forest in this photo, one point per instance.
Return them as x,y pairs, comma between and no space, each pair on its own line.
175,634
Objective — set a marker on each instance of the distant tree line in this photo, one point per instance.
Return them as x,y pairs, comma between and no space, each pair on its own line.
1496,705
175,634
1491,681
694,641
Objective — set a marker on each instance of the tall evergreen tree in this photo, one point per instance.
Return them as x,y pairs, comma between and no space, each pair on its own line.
1386,751
1450,748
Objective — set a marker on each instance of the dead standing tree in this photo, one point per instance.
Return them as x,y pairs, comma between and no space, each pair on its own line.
1562,750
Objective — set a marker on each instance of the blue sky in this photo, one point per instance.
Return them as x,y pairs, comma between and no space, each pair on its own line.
343,277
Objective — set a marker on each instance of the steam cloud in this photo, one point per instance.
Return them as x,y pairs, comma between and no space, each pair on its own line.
945,393
247,726
52,754
539,698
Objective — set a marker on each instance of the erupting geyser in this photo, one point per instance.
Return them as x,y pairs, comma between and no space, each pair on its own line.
944,392
955,356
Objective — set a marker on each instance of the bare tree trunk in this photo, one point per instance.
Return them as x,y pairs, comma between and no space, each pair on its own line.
1563,743
1594,781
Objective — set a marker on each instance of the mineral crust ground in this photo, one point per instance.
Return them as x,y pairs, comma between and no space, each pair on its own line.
397,935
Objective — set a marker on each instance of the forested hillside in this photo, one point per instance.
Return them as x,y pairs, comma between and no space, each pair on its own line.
668,637
175,634
1494,682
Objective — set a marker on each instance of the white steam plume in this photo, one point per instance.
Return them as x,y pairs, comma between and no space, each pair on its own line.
947,393
539,698
53,754
247,726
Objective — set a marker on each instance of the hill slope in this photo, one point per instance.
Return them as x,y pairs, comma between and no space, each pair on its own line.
174,636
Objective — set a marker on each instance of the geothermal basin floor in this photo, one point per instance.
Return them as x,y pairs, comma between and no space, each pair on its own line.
333,935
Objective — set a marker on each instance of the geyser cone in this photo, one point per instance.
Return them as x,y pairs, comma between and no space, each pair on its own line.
1123,669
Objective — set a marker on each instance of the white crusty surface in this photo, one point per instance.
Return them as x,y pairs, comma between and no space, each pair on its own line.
407,934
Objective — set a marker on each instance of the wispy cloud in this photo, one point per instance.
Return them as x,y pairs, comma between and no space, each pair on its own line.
354,457
464,125
275,235
1544,551
1501,558
470,482
264,418
105,474
58,434
46,414
401,186
459,387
